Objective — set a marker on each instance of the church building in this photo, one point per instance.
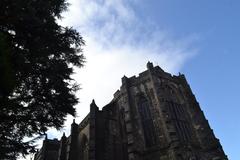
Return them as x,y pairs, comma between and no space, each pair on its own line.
153,116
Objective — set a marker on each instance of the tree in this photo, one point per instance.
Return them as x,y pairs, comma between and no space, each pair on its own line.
37,56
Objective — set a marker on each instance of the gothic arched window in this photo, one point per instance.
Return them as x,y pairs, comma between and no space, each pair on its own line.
179,120
84,148
147,122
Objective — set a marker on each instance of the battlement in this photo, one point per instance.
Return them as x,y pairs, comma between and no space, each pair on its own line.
152,71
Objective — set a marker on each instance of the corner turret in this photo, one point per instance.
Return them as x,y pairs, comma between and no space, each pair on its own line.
149,65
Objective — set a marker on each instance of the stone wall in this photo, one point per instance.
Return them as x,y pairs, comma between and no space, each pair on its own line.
153,116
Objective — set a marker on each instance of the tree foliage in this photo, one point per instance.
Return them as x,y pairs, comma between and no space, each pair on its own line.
37,56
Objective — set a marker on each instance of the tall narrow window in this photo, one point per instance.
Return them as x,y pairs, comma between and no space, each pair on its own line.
179,120
84,148
147,122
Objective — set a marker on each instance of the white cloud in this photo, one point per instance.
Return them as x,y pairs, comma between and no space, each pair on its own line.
118,43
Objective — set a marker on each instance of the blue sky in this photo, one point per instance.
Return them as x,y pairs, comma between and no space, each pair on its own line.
213,72
197,38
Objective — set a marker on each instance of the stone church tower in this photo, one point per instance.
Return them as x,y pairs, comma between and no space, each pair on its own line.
154,116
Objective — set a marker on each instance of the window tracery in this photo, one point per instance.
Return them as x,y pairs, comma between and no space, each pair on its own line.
147,122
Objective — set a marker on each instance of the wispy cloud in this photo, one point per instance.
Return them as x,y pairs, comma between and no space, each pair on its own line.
118,43
113,25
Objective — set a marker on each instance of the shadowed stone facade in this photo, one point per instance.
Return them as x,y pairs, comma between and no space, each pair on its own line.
49,150
154,116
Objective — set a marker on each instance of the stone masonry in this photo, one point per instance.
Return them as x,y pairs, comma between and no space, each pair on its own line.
154,116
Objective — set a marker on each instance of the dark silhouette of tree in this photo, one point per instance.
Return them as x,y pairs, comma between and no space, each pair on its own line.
37,56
